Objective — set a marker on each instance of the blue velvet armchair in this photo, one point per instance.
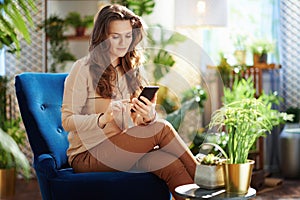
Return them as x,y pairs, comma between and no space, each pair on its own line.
39,97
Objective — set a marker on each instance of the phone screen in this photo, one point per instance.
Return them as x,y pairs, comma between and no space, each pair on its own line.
148,92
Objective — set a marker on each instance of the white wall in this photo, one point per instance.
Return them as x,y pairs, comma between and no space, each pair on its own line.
163,14
62,8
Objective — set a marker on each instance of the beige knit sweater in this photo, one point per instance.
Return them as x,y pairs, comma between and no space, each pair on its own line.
82,106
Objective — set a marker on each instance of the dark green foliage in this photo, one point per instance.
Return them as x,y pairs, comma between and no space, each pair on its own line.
75,20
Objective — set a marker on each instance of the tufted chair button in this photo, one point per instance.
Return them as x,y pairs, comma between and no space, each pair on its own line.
43,107
59,130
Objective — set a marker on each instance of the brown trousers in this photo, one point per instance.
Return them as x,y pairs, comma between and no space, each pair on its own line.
155,148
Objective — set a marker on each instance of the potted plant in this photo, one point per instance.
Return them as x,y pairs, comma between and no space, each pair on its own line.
288,143
260,49
11,157
244,120
79,23
15,25
240,43
210,172
54,27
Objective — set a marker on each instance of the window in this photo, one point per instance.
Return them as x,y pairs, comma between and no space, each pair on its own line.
252,19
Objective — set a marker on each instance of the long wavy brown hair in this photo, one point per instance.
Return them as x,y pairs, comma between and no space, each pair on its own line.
102,71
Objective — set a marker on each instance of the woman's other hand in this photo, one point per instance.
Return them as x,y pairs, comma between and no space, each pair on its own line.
114,108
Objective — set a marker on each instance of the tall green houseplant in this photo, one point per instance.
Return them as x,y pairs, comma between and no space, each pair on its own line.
11,136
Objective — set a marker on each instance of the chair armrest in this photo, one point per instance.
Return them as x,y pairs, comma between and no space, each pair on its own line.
45,165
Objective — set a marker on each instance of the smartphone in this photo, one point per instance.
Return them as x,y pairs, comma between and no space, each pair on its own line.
148,92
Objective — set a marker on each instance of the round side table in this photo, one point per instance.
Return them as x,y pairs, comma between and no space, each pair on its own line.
193,191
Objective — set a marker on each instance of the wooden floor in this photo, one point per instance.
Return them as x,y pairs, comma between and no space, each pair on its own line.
287,190
26,190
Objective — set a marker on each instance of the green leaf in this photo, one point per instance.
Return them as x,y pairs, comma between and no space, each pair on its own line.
18,21
164,58
10,146
141,7
177,116
31,7
10,33
162,62
176,38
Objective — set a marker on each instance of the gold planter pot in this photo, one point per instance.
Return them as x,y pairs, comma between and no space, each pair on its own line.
237,177
7,182
209,176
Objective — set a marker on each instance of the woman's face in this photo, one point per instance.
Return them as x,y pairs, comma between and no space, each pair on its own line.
120,37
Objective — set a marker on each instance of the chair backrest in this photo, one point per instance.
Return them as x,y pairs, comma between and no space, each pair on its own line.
40,98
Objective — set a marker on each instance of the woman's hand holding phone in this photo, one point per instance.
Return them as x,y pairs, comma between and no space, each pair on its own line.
145,108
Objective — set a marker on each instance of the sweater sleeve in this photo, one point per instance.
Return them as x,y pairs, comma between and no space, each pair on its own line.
74,99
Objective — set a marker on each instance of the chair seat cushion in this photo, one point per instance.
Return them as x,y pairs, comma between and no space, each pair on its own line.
108,185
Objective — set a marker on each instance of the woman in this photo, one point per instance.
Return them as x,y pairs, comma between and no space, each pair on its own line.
100,91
